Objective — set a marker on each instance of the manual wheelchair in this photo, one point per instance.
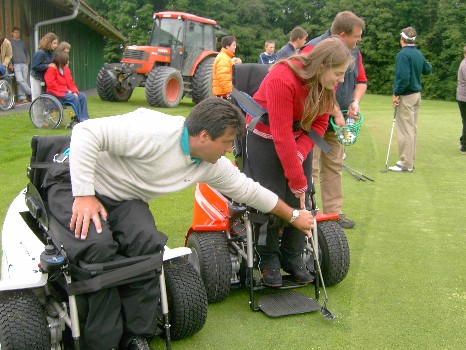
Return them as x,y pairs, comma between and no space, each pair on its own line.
39,287
7,96
47,112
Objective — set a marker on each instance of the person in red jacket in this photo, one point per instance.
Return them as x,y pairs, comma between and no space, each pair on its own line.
60,83
298,94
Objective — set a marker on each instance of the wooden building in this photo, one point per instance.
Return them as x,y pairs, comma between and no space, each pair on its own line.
71,20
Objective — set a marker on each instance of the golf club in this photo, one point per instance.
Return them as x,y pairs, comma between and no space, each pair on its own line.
351,171
358,173
390,144
323,310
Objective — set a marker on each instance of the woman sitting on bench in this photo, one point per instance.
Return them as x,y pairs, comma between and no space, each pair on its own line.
60,83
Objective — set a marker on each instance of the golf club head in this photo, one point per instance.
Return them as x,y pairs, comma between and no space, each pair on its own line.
327,314
384,170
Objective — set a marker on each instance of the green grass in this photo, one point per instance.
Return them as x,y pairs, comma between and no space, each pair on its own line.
406,286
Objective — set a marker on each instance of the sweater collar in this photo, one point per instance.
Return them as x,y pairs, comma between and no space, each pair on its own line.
185,145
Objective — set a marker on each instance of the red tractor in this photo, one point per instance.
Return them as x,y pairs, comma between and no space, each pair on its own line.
177,61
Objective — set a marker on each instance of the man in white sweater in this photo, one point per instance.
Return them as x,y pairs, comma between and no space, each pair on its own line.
117,165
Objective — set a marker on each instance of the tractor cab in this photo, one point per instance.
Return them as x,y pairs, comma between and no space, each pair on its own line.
182,38
176,61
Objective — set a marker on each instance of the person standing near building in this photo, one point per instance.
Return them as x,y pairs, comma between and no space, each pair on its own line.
64,46
269,56
222,70
410,65
298,37
6,53
41,60
348,27
461,98
19,64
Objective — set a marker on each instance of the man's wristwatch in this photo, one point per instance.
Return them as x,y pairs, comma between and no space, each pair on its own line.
295,216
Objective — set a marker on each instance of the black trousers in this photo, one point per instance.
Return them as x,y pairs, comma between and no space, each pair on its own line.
263,165
462,106
111,313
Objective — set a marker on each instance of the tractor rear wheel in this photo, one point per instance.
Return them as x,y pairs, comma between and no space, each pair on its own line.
108,88
202,80
164,87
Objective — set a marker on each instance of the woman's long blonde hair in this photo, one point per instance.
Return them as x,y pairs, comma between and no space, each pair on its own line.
327,54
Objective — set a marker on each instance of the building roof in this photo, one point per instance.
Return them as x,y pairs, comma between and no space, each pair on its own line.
89,17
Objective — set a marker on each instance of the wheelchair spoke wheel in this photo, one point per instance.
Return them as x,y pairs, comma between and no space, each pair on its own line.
6,95
46,112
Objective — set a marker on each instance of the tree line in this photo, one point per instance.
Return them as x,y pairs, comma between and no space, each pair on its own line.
440,25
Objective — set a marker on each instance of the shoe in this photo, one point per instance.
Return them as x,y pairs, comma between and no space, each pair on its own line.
344,222
137,343
463,150
399,169
299,272
400,164
272,277
21,102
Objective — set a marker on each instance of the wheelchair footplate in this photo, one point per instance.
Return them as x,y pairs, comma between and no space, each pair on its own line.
287,303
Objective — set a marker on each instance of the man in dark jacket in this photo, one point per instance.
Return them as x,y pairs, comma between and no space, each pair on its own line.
327,167
298,38
410,65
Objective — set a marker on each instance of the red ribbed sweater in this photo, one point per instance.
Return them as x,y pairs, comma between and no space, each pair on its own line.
283,94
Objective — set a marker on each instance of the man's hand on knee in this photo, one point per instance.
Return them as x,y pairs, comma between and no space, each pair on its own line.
85,209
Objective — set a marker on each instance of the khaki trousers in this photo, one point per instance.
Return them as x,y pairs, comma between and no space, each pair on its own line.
328,167
406,128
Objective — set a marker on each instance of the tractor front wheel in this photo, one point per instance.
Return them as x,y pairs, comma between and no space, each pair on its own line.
202,80
164,87
108,87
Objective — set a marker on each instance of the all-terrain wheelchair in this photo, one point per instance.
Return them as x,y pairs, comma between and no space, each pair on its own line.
38,287
224,244
47,112
7,96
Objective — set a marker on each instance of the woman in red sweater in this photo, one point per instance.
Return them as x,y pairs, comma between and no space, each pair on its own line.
60,83
297,93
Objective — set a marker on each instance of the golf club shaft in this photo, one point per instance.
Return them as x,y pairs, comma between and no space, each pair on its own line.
356,176
358,172
391,136
316,260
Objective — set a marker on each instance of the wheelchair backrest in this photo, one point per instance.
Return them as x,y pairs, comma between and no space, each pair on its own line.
247,77
44,149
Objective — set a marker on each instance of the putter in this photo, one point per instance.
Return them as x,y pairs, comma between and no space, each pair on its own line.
390,144
323,309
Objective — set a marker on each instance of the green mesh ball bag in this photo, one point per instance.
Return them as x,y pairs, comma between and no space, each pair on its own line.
348,134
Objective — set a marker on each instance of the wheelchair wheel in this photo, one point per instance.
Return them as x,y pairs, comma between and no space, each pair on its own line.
6,95
334,253
22,322
46,112
187,298
211,258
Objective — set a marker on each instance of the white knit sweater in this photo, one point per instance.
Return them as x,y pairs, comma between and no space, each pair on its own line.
138,155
